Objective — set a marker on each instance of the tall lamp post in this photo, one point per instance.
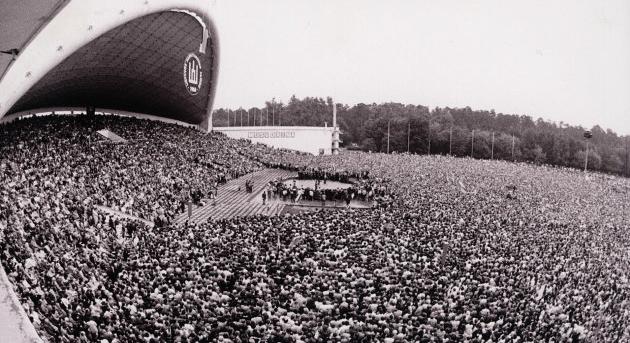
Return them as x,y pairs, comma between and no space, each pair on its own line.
492,149
429,146
408,133
388,136
588,135
472,144
450,141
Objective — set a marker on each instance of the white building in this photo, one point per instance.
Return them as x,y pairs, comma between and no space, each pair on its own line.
311,139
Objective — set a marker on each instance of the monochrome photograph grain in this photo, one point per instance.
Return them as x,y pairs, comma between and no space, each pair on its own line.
311,171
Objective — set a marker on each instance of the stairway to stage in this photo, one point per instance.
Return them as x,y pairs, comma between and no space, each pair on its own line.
231,202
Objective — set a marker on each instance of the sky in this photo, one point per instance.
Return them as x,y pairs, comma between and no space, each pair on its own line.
562,60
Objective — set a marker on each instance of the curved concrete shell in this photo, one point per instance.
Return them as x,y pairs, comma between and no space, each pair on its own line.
150,57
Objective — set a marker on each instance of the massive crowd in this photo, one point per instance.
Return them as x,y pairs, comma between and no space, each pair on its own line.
457,257
160,168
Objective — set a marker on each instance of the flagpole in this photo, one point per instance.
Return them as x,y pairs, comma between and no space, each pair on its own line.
512,147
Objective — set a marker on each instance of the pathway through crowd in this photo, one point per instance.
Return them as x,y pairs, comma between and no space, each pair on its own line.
119,214
233,201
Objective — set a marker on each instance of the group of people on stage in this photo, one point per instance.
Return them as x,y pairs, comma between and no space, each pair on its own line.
325,174
359,190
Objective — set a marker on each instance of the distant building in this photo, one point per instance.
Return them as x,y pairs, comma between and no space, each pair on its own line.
310,139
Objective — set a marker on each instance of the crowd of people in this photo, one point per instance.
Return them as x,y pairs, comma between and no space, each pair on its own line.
452,259
154,174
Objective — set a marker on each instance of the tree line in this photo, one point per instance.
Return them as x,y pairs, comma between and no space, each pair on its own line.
457,131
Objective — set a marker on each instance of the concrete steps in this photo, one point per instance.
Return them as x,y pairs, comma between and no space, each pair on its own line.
231,202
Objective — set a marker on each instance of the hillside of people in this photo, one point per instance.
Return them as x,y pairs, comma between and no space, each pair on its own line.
462,132
466,251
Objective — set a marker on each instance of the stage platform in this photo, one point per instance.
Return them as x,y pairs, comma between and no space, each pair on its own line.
233,201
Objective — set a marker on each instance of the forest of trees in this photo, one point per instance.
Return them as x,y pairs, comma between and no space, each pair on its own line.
456,131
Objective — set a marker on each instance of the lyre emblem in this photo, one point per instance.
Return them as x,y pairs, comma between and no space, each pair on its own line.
193,70
193,75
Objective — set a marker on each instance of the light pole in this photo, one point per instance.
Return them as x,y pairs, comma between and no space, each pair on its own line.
627,173
408,133
388,136
492,149
588,135
429,147
472,144
450,141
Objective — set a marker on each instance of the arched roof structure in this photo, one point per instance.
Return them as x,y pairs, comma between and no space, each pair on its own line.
153,57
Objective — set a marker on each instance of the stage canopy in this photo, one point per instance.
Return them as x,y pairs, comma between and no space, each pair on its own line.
158,59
